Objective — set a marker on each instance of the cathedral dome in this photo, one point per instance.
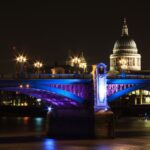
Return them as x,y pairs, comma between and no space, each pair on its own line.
125,42
125,53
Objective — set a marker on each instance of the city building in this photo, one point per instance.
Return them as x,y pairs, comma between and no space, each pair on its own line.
125,53
125,57
77,61
58,70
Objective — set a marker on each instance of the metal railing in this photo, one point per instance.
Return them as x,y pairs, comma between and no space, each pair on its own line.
46,76
128,76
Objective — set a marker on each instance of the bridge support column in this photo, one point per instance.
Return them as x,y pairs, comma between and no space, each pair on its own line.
135,101
70,123
104,120
141,97
100,87
104,124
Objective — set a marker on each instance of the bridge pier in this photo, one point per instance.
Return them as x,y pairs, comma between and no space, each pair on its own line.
74,123
80,123
104,124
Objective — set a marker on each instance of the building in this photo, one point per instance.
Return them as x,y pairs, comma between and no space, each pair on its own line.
77,61
125,57
125,53
58,70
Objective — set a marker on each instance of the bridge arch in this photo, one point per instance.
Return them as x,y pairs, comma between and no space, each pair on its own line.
76,90
55,97
123,92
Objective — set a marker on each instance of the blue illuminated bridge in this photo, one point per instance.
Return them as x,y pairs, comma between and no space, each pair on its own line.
59,92
74,91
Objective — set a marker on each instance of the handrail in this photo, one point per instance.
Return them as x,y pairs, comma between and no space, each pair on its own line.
46,76
128,76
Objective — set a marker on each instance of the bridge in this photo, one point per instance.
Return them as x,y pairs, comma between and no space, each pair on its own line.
118,86
76,98
74,90
57,92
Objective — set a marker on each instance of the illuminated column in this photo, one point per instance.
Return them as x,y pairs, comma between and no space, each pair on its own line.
141,97
100,87
135,101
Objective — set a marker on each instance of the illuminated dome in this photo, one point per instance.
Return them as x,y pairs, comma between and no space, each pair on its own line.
125,42
125,51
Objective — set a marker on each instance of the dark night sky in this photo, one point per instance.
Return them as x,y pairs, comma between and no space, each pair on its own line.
46,30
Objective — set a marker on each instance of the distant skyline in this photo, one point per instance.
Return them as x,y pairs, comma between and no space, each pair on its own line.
47,30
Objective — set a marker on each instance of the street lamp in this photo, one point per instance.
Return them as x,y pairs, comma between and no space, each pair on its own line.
21,59
38,65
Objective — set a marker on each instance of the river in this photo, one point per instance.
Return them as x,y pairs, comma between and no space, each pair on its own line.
20,133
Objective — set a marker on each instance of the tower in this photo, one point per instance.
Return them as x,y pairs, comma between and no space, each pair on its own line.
77,61
125,53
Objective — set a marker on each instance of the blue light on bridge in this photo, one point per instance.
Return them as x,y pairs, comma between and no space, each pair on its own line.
100,100
102,90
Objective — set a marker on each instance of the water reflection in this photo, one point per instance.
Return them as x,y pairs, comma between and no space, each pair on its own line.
25,120
38,123
19,120
22,125
49,144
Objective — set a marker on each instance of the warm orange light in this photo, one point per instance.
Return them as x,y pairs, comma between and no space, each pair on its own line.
21,59
38,64
20,86
123,63
27,85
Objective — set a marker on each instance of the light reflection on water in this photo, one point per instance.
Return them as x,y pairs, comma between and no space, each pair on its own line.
132,126
25,120
38,121
49,144
18,126
37,125
14,125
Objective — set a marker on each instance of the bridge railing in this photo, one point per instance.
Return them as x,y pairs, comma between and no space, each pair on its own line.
128,76
46,76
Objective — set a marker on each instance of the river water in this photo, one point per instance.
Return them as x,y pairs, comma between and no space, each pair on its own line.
29,133
31,126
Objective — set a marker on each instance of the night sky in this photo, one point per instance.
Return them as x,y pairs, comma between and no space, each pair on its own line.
47,30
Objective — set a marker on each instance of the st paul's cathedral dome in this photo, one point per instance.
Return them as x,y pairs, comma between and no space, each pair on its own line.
125,53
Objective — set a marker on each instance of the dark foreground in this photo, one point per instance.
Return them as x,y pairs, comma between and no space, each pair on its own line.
30,143
26,133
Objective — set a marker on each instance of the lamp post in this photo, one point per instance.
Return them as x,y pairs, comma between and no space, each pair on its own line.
21,59
38,65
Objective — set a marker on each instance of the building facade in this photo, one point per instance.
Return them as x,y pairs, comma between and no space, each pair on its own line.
125,53
77,61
